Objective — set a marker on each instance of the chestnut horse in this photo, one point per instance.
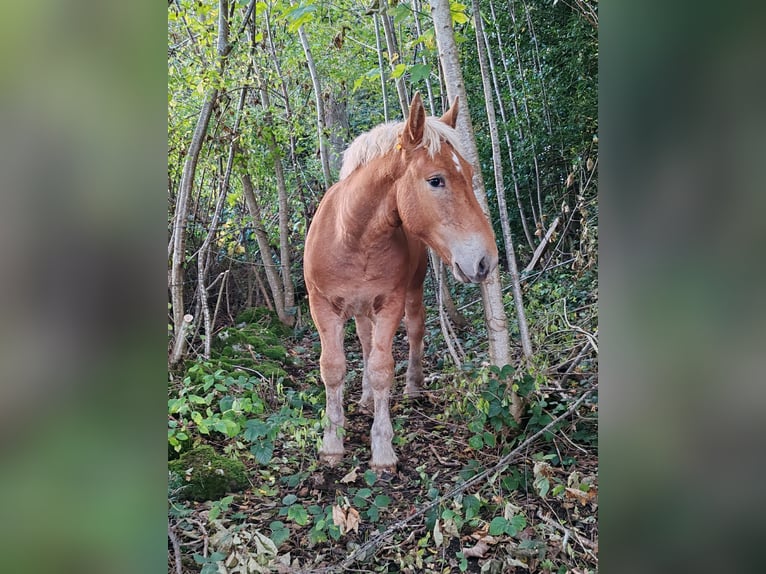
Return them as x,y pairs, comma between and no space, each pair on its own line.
403,186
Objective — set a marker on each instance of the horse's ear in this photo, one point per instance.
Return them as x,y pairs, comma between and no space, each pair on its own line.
412,134
450,118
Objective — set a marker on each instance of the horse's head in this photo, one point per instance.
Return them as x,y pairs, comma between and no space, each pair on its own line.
435,196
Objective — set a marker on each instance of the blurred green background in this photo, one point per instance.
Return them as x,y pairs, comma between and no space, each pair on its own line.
82,230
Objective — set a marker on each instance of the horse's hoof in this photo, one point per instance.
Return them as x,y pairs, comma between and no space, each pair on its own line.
330,459
412,392
385,473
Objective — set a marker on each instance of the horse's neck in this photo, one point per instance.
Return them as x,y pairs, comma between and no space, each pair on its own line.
368,203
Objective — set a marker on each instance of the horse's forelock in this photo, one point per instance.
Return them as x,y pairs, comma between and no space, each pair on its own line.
382,139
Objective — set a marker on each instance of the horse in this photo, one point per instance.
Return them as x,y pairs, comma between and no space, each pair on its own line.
403,186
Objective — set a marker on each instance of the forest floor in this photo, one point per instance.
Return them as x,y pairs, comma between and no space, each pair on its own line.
531,506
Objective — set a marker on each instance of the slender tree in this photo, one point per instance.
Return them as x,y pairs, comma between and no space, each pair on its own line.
324,155
187,182
492,294
526,343
267,256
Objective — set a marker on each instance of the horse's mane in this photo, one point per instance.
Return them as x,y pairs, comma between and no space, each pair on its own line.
382,139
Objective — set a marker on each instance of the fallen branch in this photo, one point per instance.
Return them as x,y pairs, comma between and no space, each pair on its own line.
369,548
543,244
176,548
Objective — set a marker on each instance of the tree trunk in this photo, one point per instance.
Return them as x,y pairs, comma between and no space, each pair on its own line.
379,47
539,220
492,294
394,56
506,130
187,182
287,291
416,12
272,276
526,343
321,136
203,253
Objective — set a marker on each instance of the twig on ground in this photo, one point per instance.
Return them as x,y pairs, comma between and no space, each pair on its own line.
586,544
176,548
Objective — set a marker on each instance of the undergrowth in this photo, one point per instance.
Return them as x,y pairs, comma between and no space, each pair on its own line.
259,401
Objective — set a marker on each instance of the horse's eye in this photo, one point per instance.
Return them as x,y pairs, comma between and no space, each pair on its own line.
437,181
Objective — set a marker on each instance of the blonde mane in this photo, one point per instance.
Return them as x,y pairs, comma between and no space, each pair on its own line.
382,139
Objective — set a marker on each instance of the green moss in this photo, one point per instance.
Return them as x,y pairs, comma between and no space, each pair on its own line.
210,476
265,318
277,353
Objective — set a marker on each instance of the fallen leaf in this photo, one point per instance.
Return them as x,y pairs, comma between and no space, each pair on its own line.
581,496
352,520
339,518
351,476
438,536
478,550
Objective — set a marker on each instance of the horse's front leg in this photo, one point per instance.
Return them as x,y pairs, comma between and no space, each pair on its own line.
332,366
380,374
364,332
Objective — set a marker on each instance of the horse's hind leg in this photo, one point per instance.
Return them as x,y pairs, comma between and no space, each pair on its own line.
415,323
332,366
364,332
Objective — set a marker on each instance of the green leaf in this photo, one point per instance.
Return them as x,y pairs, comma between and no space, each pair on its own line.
400,13
299,15
263,451
226,403
289,499
381,501
255,429
471,505
298,514
175,405
517,524
459,18
373,514
370,477
419,72
476,442
228,427
497,526
279,532
398,71
489,439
